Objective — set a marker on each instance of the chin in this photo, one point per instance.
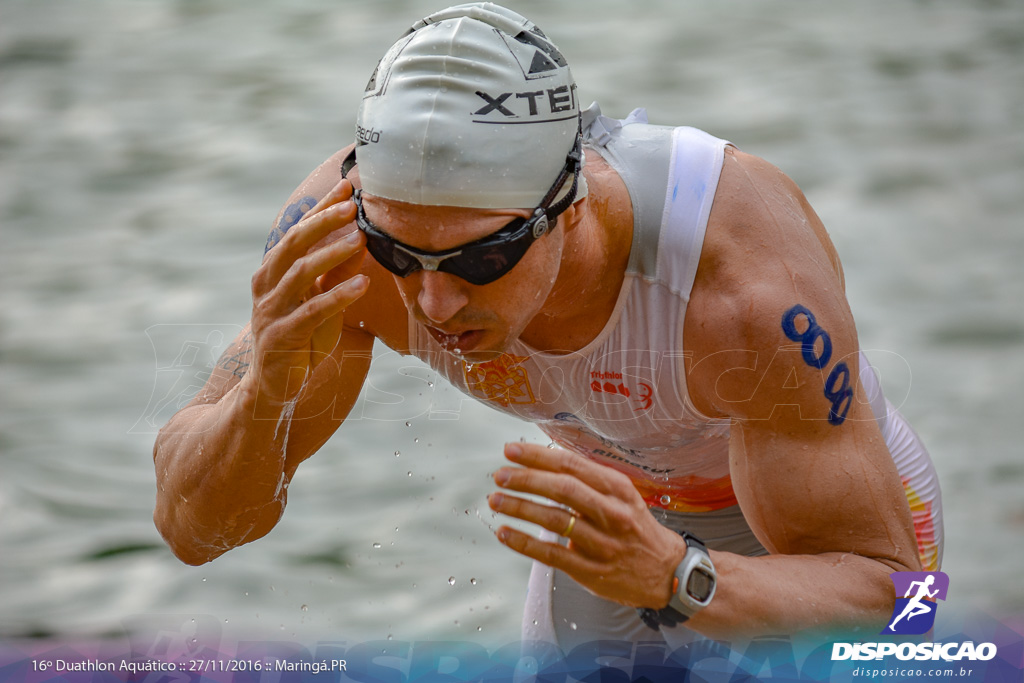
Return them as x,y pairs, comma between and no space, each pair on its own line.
480,356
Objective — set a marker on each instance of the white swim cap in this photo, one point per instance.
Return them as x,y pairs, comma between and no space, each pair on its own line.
474,107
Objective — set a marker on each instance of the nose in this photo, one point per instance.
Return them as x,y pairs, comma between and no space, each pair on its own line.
441,296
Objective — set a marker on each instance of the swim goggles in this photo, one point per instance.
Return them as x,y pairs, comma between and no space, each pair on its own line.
484,260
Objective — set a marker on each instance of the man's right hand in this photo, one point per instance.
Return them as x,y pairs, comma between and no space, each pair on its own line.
223,463
297,316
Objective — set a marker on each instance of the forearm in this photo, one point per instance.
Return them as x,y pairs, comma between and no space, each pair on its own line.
221,475
777,594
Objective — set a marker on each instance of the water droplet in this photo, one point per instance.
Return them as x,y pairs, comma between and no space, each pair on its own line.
472,582
451,580
362,323
666,499
572,625
376,545
408,474
398,453
534,623
408,424
416,440
204,579
479,628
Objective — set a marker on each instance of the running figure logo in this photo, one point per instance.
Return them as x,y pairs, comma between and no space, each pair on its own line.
914,613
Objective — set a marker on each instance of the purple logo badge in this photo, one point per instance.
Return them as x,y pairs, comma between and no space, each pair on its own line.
916,593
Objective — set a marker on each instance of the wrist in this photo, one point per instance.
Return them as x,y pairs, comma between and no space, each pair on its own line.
692,587
669,583
256,402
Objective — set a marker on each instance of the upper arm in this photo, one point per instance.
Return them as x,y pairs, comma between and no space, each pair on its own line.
775,350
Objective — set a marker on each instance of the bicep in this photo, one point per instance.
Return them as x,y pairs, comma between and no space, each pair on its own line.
776,351
809,466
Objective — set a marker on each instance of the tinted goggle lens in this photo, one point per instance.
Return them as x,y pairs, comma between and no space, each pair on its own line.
478,264
484,263
387,253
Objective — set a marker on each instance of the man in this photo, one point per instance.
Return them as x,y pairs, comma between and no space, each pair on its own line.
665,306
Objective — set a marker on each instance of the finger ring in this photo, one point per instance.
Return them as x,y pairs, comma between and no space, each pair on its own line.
569,527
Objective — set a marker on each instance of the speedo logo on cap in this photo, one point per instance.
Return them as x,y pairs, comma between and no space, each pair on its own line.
535,106
367,135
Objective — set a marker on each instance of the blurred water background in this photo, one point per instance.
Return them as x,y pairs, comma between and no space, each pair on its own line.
146,147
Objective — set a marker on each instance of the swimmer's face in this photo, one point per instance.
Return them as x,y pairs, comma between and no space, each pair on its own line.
480,321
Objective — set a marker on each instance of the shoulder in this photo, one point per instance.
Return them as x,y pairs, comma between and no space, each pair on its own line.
316,185
763,239
766,252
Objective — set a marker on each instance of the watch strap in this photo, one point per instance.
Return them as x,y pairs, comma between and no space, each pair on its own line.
669,616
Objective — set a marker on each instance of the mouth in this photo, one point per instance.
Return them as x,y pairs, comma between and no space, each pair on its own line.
459,342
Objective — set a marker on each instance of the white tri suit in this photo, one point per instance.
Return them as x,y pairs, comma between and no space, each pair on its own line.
623,401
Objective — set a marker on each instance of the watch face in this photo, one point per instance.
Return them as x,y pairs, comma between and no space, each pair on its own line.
700,585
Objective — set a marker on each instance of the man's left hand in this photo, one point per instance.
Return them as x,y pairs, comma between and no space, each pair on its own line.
616,548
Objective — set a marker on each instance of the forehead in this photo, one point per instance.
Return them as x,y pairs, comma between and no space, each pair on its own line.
435,228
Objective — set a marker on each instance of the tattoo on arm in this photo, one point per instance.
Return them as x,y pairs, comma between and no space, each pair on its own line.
292,215
838,391
236,359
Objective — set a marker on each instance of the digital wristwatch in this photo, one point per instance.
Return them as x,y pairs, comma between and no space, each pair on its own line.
693,586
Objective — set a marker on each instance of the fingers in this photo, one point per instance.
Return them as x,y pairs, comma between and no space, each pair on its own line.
306,271
568,478
339,193
333,212
616,548
559,460
561,488
606,501
322,307
551,554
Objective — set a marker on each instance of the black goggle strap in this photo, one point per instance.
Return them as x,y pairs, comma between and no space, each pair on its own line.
348,163
573,163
